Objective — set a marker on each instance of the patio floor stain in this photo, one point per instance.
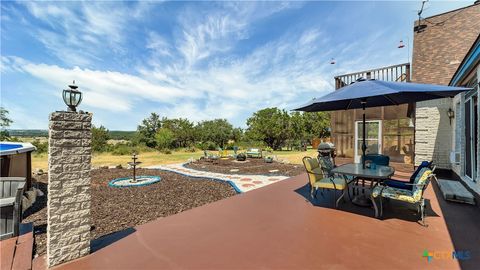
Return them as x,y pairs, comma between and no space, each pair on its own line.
280,227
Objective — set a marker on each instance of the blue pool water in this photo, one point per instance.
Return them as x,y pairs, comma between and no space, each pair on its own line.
5,147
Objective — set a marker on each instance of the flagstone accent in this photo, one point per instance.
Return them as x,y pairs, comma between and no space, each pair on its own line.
240,182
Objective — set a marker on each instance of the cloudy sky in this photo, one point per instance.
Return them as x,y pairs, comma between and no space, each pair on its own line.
196,60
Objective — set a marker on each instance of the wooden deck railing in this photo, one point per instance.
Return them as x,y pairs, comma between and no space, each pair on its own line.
399,72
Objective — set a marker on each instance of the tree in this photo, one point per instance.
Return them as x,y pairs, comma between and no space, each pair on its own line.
148,128
218,131
182,129
237,134
298,132
164,138
100,138
270,125
4,124
317,124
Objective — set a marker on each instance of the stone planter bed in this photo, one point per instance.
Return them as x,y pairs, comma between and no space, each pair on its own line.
250,166
114,209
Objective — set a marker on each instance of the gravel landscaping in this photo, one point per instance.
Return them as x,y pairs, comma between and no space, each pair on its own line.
250,166
114,209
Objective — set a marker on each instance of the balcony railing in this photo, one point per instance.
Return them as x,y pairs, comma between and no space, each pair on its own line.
398,73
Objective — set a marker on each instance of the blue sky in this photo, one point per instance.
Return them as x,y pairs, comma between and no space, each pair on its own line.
196,60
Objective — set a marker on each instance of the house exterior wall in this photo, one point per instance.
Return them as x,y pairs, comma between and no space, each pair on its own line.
438,50
433,133
396,131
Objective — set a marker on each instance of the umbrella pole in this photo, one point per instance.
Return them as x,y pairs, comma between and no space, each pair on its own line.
364,145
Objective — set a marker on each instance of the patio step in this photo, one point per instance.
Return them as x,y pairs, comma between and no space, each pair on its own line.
455,191
16,252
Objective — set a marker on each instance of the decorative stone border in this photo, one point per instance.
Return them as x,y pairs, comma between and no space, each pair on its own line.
123,182
241,183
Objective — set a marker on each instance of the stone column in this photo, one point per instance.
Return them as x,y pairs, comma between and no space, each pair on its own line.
68,206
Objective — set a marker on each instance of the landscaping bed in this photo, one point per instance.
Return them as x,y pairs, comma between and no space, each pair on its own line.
250,166
114,209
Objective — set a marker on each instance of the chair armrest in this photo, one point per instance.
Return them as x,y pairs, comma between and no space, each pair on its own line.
7,201
314,172
13,178
382,188
418,185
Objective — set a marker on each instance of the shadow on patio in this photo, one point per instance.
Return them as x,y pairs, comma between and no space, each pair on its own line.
391,209
278,227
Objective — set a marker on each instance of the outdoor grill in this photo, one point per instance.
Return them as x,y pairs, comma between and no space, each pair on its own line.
327,149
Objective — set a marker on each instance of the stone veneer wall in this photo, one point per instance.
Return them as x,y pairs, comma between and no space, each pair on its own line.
68,206
433,132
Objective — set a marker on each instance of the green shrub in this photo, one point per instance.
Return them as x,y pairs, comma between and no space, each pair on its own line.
164,138
122,149
42,147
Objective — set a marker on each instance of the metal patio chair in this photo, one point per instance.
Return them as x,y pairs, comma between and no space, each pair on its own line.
413,196
320,178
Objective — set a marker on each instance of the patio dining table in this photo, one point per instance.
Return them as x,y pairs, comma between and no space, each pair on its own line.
377,174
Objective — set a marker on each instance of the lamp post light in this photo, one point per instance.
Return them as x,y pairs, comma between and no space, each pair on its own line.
72,97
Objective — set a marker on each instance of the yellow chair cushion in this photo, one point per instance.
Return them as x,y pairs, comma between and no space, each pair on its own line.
315,175
311,163
403,194
394,193
327,183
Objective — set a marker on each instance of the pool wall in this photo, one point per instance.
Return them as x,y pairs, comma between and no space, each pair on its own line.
17,162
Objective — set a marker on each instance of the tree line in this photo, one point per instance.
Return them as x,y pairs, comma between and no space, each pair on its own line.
270,127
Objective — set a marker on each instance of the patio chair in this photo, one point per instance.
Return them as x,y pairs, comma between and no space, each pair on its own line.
321,178
407,185
414,196
254,152
378,159
11,192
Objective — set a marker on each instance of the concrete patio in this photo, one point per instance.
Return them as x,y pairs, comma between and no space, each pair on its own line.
279,227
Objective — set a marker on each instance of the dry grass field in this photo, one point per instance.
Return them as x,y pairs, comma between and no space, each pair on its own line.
39,161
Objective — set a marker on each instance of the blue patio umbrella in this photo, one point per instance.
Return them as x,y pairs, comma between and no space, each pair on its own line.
365,93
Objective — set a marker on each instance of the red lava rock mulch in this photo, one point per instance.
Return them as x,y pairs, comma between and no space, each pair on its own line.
250,166
114,209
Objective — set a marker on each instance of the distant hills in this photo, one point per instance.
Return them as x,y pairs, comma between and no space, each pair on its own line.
114,134
28,132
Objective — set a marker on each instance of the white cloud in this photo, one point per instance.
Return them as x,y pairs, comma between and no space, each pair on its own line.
22,117
158,44
80,33
108,90
193,70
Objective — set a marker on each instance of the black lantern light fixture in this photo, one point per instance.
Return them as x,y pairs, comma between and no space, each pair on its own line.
72,97
451,115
